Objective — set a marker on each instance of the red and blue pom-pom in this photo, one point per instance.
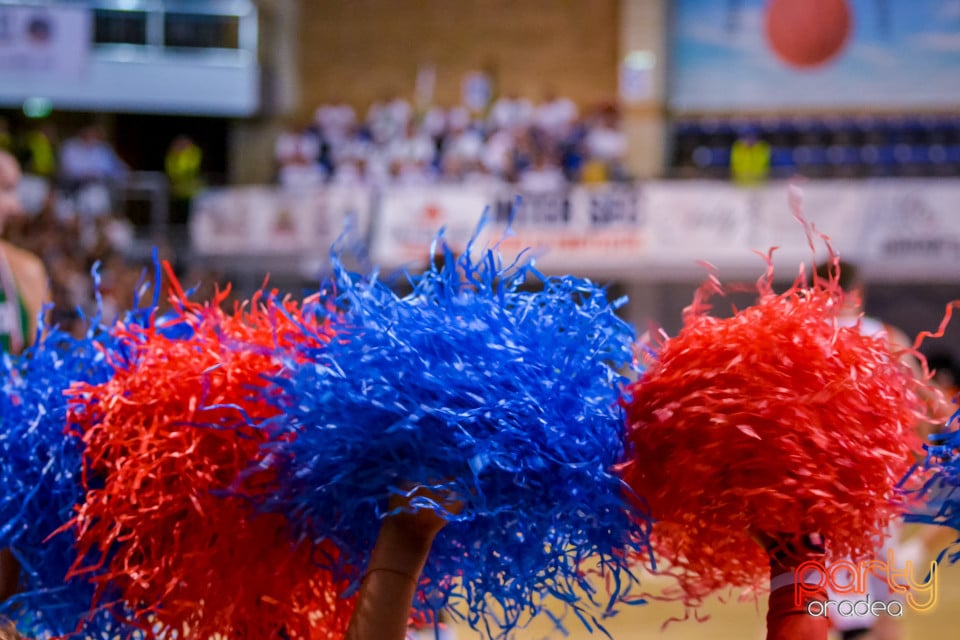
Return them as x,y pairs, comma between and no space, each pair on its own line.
174,466
40,481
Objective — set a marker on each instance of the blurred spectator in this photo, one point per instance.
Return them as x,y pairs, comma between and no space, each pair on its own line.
38,157
463,150
511,112
89,158
388,119
946,374
411,156
335,122
6,139
69,250
39,151
459,119
394,147
750,159
350,172
435,123
543,174
23,293
498,153
90,170
556,115
606,146
297,153
183,165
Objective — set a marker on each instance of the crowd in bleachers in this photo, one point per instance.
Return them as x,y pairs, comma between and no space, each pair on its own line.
69,254
537,146
72,220
533,146
69,251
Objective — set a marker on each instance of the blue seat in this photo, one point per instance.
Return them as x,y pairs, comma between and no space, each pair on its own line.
843,155
810,155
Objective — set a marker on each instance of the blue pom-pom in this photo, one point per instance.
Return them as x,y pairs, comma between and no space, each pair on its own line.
938,501
40,483
41,475
482,384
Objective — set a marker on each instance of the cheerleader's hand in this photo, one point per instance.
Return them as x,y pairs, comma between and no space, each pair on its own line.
790,550
420,511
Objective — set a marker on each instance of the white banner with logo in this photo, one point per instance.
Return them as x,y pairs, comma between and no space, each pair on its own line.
409,218
220,219
598,230
262,220
653,231
834,209
690,221
46,41
913,223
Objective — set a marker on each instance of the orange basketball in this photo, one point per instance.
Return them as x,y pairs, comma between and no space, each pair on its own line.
807,33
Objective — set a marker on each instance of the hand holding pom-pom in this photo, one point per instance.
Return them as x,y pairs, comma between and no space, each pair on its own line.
391,579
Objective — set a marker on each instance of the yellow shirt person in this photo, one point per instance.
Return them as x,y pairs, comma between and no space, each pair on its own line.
750,161
183,164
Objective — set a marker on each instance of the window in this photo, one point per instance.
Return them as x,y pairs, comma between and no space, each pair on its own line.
119,27
201,31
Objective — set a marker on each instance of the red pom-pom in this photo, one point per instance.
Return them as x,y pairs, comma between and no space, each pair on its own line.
775,421
174,464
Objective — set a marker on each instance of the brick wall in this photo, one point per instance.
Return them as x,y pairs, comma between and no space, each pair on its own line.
360,49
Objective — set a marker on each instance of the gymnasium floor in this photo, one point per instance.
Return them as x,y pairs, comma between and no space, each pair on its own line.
741,621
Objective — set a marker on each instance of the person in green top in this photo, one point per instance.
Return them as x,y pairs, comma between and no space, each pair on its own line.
24,286
14,317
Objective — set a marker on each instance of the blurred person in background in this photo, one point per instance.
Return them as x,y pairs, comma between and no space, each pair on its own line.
556,115
88,158
183,164
543,175
946,374
412,156
498,152
905,547
22,276
434,126
6,139
90,172
23,292
511,112
297,153
606,146
39,151
750,159
350,171
388,118
336,122
462,140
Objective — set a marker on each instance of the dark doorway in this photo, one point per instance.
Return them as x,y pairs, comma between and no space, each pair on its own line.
142,141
